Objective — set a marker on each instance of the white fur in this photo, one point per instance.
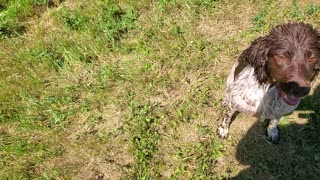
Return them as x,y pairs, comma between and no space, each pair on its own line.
223,132
246,94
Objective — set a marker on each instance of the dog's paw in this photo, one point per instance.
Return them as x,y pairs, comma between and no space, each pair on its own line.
222,132
273,135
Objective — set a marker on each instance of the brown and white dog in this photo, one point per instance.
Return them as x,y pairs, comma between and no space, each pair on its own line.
272,75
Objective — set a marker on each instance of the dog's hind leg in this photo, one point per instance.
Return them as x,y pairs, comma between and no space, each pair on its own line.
228,117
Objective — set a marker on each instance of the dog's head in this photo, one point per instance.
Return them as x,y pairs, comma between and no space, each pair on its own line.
288,57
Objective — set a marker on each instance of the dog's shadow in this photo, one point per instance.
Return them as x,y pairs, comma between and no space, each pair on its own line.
297,156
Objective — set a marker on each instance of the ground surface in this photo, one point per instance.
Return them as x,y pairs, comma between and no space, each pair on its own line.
132,89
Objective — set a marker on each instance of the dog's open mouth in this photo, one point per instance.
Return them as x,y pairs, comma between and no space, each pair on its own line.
290,99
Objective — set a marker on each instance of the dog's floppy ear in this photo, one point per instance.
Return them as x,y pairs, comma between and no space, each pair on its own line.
257,56
317,67
316,71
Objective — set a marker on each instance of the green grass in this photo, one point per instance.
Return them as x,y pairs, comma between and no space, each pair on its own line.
125,89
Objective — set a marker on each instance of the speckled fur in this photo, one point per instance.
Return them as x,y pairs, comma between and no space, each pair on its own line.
246,94
272,75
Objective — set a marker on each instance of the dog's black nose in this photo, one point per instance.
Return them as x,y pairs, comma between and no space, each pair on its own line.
298,91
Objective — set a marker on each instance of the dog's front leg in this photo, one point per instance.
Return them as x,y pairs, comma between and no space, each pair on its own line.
228,117
272,131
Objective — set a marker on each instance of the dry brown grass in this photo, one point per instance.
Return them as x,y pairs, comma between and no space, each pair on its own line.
110,90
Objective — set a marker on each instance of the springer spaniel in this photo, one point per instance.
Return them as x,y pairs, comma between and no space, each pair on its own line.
272,75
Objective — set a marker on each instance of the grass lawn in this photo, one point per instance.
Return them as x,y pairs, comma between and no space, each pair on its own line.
129,89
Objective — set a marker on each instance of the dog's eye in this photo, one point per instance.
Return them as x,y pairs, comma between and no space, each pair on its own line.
281,58
308,54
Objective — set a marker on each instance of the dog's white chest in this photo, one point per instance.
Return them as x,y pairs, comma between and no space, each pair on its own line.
273,106
246,94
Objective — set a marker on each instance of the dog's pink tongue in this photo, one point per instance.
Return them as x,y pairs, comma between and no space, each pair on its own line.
292,100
